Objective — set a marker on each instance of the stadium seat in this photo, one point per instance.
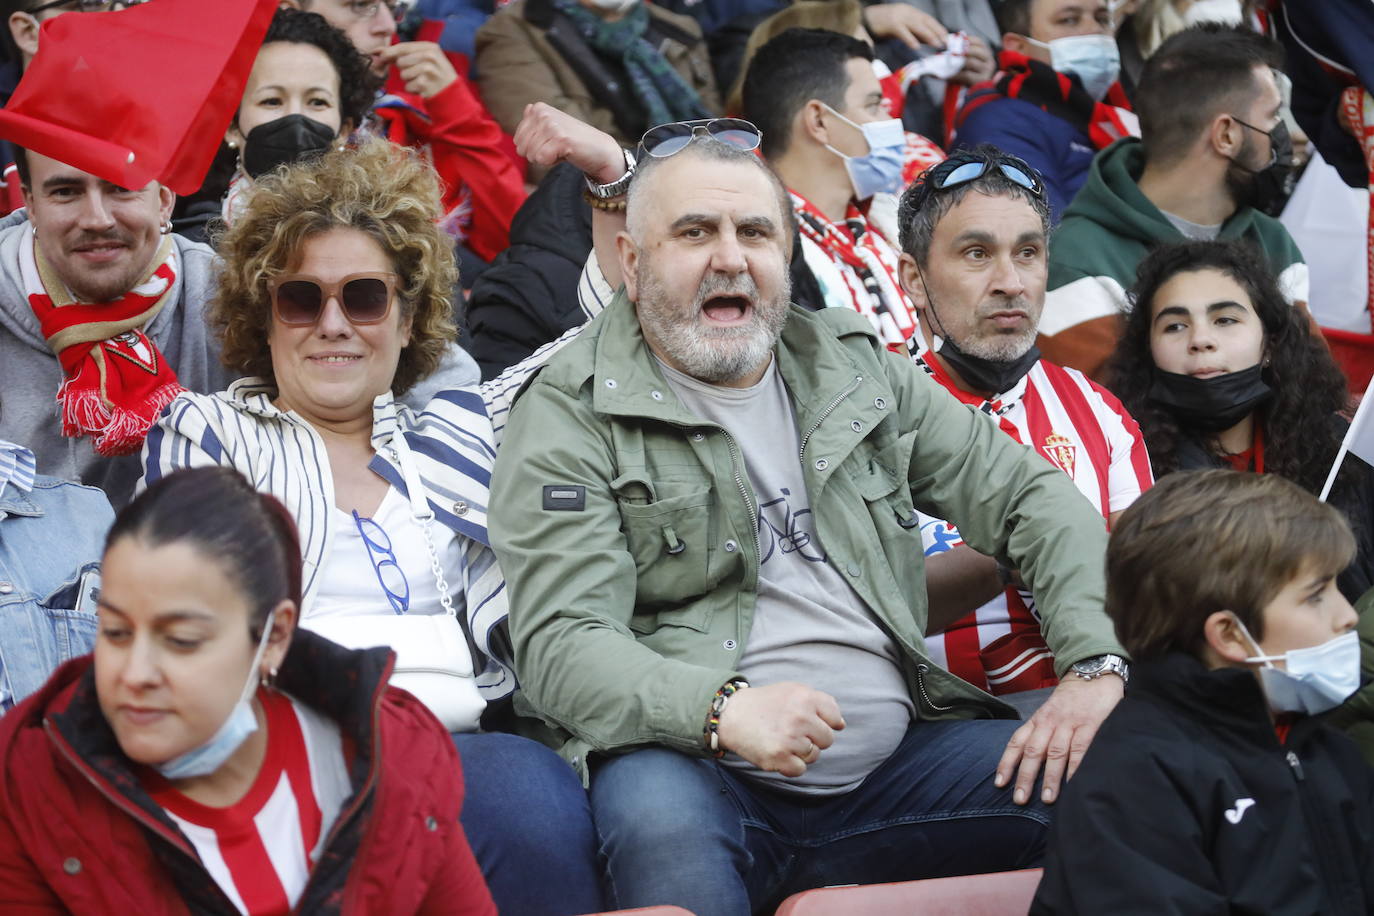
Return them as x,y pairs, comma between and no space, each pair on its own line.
648,911
1001,894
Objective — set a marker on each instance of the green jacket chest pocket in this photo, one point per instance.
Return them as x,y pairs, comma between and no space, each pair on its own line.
883,484
668,539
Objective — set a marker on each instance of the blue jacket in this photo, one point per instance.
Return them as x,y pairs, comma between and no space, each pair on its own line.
1053,146
49,537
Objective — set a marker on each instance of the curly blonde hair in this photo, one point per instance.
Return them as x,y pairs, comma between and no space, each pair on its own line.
378,188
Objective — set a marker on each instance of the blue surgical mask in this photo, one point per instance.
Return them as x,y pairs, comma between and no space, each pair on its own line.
881,169
210,756
1094,59
1312,680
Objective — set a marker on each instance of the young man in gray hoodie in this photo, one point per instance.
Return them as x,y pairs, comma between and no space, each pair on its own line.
101,322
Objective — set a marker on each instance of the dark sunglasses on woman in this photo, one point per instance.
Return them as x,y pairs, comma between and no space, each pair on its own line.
299,299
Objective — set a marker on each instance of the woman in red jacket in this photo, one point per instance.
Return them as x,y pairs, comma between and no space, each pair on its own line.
209,758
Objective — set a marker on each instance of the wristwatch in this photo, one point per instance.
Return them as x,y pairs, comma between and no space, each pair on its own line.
614,188
1096,666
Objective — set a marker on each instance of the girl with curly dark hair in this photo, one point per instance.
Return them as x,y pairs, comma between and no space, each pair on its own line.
1221,372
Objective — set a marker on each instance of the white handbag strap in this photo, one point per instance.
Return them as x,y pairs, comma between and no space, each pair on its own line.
423,515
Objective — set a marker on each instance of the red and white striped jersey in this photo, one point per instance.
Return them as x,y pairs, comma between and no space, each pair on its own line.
1080,428
260,849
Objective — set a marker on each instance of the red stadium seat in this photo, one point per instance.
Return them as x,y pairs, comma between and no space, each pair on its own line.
1354,353
648,911
1005,893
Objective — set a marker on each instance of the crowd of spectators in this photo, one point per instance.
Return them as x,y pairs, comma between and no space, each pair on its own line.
572,455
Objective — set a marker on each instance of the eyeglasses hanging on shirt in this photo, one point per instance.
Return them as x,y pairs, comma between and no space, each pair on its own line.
390,576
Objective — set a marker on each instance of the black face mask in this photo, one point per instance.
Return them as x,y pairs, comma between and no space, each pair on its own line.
284,141
982,374
1210,405
1266,189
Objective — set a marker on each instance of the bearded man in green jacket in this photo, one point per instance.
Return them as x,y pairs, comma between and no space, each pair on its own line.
705,507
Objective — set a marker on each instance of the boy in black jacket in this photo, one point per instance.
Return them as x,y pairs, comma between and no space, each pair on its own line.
1211,788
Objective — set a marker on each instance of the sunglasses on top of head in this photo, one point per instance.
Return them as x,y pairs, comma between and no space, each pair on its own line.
960,170
299,299
666,139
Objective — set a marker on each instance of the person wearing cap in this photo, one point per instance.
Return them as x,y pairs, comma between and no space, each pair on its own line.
705,507
975,232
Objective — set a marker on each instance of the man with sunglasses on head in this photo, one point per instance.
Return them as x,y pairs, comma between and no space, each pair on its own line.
428,105
974,259
1214,161
706,505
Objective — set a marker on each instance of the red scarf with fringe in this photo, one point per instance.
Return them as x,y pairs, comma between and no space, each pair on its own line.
1021,77
117,381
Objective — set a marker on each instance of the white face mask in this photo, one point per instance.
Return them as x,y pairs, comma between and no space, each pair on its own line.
210,756
1313,679
1094,59
1227,11
881,168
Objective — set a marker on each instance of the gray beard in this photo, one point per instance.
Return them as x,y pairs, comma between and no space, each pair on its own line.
713,355
1004,348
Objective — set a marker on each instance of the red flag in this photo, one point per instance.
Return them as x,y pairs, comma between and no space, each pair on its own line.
139,94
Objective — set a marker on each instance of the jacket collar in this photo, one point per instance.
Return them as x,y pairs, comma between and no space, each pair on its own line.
343,684
254,396
819,372
1112,197
1225,699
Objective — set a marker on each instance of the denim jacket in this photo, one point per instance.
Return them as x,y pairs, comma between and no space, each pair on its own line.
49,537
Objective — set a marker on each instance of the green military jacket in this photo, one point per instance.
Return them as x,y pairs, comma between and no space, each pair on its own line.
628,530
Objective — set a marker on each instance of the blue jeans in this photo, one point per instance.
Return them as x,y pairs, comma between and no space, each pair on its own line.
683,830
529,824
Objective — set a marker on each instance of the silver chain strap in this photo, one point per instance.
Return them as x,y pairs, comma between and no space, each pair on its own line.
424,517
437,568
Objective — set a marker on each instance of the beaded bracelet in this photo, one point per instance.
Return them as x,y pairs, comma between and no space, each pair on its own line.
615,205
710,734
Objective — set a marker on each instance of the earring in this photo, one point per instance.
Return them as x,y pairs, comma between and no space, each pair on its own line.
269,679
166,227
232,144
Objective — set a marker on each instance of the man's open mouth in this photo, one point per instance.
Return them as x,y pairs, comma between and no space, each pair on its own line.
727,309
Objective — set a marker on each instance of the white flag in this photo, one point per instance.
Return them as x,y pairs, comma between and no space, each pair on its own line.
1359,440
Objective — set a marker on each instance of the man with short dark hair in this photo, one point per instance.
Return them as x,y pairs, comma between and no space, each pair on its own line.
1213,154
828,135
705,509
974,259
101,322
1055,99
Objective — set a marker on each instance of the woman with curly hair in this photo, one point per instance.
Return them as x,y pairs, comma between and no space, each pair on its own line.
1221,372
308,91
334,301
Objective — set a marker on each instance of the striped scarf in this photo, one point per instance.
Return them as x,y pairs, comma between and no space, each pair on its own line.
116,380
1040,84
